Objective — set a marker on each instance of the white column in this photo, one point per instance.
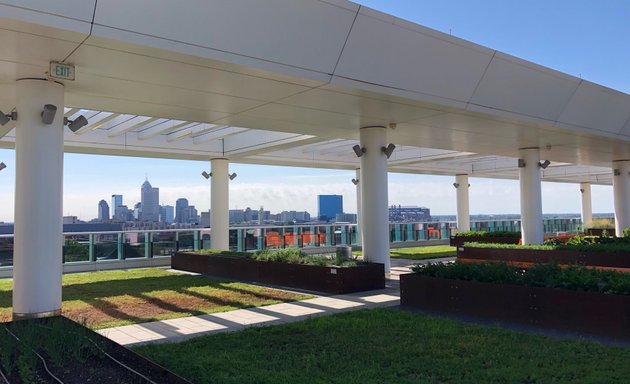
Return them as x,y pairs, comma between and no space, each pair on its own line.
463,208
359,214
621,192
37,267
531,197
219,205
587,208
375,217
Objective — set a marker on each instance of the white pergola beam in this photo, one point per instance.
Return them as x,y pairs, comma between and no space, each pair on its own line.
131,124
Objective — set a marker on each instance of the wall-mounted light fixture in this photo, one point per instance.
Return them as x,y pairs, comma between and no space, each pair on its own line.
2,166
232,176
388,150
77,123
544,164
358,150
5,118
48,114
355,181
521,163
206,174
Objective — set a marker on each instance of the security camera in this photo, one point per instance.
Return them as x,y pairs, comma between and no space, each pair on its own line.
232,176
48,114
355,181
206,174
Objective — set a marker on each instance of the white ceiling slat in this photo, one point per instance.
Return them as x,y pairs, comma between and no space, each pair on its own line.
96,121
217,134
189,131
162,128
131,124
290,143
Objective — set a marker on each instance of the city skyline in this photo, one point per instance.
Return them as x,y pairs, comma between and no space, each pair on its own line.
579,38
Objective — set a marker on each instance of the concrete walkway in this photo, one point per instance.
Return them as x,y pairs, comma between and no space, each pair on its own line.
175,330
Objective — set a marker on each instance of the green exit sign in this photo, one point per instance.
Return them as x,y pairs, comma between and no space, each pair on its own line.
61,71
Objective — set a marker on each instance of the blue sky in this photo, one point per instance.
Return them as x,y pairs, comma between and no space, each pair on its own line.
579,37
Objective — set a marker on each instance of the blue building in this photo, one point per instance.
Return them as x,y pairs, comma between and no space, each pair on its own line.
328,206
117,201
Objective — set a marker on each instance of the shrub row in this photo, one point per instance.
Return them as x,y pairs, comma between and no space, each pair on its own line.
287,255
578,243
542,275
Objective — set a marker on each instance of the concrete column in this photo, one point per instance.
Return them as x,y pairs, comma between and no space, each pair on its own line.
587,208
219,205
531,197
374,214
463,208
359,215
38,239
621,192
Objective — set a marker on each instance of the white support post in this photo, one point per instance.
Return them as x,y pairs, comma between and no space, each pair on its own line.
587,208
621,192
374,214
37,267
359,214
463,208
219,205
531,197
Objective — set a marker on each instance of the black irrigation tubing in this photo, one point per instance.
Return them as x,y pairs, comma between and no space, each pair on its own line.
38,355
110,356
4,377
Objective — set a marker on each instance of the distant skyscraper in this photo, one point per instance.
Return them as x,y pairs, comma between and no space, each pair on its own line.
167,214
180,210
103,211
117,201
150,200
328,206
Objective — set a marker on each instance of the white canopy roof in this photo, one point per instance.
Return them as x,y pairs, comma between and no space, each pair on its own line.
290,82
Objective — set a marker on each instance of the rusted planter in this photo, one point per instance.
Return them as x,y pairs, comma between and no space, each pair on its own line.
600,231
363,277
458,241
562,309
535,256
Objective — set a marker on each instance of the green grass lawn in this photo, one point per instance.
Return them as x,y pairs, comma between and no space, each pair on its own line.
389,346
113,298
420,253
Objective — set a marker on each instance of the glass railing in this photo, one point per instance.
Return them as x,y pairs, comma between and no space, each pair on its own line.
97,247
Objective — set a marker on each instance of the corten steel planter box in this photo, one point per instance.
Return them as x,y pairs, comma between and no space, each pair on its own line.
535,256
458,241
363,277
575,311
599,231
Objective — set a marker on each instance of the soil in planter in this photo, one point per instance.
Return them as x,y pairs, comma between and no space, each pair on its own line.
72,353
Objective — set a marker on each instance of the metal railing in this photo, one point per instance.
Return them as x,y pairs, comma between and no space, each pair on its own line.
84,247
